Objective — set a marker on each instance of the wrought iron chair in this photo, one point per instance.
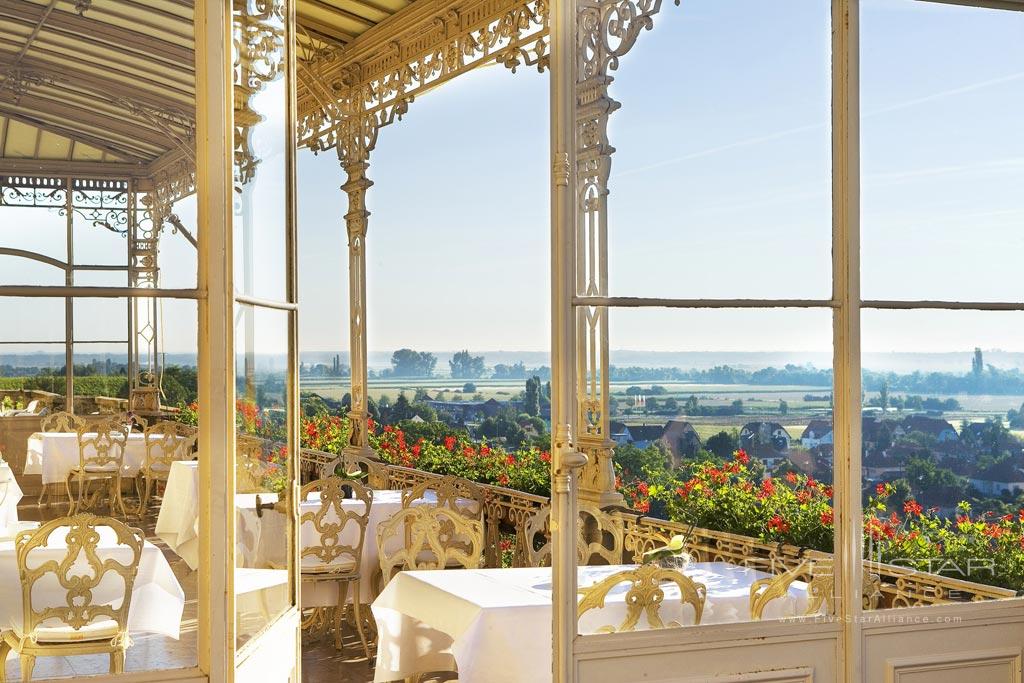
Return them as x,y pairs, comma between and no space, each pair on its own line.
166,442
644,597
433,538
821,584
337,554
376,472
600,536
250,468
76,623
101,447
61,422
454,493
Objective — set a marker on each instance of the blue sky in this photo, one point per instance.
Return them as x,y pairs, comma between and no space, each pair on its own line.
720,188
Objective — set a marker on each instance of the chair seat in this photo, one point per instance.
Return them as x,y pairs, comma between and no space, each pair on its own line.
339,567
105,629
110,468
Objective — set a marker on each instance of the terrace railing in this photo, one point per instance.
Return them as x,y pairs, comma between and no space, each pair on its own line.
506,511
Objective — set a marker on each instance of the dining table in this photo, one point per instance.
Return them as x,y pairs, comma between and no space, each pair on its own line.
10,496
158,600
52,455
260,534
469,620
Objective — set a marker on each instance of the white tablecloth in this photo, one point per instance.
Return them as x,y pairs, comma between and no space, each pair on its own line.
54,454
260,541
157,597
477,617
10,494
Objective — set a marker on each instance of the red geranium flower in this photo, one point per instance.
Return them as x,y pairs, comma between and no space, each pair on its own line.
912,507
741,456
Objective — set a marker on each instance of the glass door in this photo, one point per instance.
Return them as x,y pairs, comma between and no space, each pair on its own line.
266,621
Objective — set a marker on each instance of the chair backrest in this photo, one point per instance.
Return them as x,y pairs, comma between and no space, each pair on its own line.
339,523
250,468
431,538
101,443
821,585
32,407
599,536
61,422
81,571
166,442
346,463
644,597
454,493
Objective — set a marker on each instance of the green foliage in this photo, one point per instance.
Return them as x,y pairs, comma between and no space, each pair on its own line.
409,363
465,366
723,444
531,397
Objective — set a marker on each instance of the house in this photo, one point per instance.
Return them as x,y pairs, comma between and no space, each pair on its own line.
619,432
933,426
1003,477
468,411
816,433
762,435
643,436
681,440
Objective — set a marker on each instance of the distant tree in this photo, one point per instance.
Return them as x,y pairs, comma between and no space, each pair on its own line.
505,426
738,406
977,364
723,444
409,363
671,405
515,371
469,388
420,395
692,406
658,390
652,405
465,366
531,397
401,410
883,397
634,391
783,407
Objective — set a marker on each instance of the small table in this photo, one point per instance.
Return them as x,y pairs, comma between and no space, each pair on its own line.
260,539
472,618
157,598
10,495
54,454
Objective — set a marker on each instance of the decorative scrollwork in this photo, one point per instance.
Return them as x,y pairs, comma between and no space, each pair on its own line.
599,536
644,597
432,538
83,538
333,522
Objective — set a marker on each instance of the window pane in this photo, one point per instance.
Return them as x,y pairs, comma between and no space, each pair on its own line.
722,419
261,147
942,434
942,151
720,182
262,556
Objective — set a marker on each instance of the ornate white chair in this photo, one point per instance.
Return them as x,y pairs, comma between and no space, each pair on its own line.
74,622
820,579
336,555
453,493
250,468
61,422
599,538
100,459
431,538
166,442
376,472
644,597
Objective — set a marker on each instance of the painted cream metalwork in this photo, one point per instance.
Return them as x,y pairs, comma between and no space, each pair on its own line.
373,471
166,442
250,468
82,625
599,536
462,495
431,538
337,555
100,459
61,421
644,597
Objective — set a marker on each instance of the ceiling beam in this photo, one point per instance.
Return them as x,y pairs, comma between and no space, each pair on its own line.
68,114
77,169
340,13
326,30
84,27
77,135
95,81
